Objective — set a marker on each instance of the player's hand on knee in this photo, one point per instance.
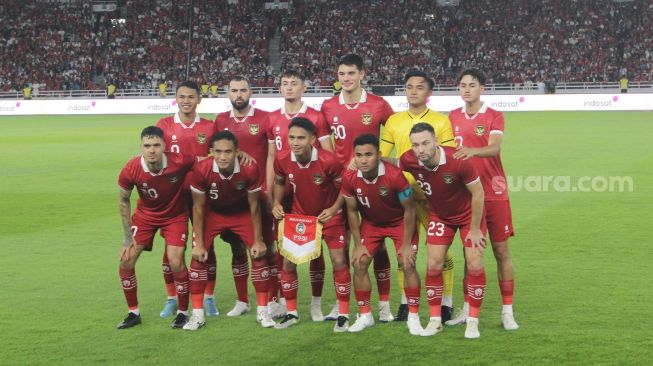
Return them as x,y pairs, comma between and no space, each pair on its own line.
357,257
477,239
407,256
125,250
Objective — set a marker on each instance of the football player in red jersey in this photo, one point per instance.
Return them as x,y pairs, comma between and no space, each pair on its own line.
315,176
292,88
354,112
187,133
226,198
384,198
249,125
158,177
455,195
478,130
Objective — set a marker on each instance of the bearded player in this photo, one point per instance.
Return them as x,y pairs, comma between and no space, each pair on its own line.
455,195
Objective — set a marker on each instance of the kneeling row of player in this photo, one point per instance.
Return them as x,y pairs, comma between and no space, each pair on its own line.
226,196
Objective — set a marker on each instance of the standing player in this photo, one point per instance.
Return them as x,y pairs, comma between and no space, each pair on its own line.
384,198
479,133
292,88
249,125
350,114
158,176
187,133
455,194
315,176
396,134
226,198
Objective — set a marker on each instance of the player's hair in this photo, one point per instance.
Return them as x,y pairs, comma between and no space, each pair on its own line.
304,123
189,84
293,74
352,59
474,73
239,78
152,131
367,139
421,127
223,135
420,74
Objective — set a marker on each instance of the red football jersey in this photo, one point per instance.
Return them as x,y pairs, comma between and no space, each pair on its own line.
445,185
314,185
192,140
348,122
279,121
251,132
225,194
160,193
378,200
475,131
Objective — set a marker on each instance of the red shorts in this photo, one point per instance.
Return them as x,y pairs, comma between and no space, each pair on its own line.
498,217
440,233
334,232
174,231
235,226
268,227
374,236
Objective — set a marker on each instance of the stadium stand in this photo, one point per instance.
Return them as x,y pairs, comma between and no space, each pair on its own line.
69,47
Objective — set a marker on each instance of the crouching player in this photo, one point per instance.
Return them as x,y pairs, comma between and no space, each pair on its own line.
226,199
158,176
455,195
384,198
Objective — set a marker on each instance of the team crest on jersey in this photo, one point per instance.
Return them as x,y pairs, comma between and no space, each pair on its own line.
448,178
174,179
318,178
201,138
253,129
367,118
240,185
480,130
383,191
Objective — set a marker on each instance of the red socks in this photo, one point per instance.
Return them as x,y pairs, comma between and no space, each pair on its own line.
317,275
413,299
197,283
181,284
507,291
129,287
476,290
210,272
342,284
240,270
434,288
260,278
363,301
289,289
382,273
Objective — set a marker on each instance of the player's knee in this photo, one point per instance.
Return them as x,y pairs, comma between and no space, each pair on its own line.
362,265
474,264
434,264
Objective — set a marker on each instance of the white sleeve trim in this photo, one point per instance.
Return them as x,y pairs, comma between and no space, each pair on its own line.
124,189
324,137
496,132
477,180
270,141
196,190
255,189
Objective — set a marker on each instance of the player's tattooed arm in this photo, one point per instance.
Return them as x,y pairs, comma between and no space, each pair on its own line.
125,215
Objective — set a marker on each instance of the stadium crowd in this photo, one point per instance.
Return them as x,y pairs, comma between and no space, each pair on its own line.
70,47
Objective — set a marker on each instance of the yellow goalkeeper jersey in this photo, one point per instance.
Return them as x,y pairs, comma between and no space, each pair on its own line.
396,134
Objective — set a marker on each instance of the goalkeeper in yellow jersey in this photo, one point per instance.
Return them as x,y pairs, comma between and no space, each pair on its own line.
419,88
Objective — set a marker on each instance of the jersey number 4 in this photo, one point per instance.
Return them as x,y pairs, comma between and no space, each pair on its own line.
364,201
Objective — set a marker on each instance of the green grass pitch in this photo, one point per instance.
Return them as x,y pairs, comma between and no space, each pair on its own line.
581,259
